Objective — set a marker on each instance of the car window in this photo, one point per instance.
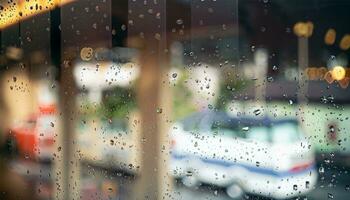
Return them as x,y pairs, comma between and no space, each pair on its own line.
192,122
261,134
285,133
224,128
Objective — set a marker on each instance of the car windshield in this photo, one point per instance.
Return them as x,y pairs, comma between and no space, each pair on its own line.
259,134
285,132
192,122
249,128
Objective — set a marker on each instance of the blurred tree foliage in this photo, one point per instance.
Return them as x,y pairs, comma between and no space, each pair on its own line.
182,97
231,84
118,103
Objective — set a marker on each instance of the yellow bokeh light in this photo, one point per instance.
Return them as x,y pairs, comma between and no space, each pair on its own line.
303,29
345,42
338,73
330,37
13,13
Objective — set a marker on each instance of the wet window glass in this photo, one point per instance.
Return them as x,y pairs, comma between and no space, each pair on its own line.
174,99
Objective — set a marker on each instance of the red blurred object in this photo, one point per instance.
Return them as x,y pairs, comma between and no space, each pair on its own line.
301,167
34,138
332,133
25,138
172,143
47,110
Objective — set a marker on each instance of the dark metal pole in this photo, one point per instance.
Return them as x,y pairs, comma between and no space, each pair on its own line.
303,62
66,162
55,39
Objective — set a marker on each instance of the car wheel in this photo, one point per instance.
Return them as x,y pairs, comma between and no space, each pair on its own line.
234,191
190,181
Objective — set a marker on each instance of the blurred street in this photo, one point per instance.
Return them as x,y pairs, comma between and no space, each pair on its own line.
99,183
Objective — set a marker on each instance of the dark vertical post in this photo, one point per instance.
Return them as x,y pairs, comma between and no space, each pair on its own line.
55,39
66,163
303,62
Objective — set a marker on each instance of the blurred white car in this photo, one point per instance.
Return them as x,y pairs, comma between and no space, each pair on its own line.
113,143
258,156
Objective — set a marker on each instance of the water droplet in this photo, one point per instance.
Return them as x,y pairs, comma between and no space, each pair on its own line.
295,187
86,53
307,184
290,102
257,112
157,36
189,173
114,32
327,161
321,170
274,68
257,164
123,27
179,21
130,166
330,196
159,110
330,97
224,27
270,79
252,48
245,128
324,99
